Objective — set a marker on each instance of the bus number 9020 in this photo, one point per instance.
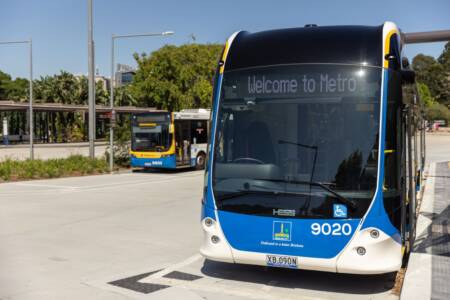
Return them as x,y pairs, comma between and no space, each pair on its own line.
331,229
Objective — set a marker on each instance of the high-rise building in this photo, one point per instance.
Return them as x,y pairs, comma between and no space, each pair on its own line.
124,75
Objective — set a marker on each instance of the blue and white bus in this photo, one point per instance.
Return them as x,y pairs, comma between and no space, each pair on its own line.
169,140
313,159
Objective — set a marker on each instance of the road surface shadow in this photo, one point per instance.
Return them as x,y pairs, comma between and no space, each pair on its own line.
163,171
301,279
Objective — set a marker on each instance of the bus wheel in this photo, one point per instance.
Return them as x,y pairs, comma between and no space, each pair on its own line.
200,161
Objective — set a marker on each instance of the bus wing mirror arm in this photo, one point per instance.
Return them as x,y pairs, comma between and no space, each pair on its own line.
408,76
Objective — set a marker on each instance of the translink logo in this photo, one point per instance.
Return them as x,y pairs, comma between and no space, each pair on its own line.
282,231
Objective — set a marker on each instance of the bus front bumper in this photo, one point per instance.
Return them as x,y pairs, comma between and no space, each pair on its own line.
167,162
382,255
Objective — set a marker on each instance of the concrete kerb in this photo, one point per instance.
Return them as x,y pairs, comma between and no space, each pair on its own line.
417,282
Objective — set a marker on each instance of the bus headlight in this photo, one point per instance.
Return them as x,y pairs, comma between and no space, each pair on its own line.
215,239
374,233
209,222
361,250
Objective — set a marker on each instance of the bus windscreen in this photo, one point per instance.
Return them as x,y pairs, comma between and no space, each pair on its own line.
150,132
306,133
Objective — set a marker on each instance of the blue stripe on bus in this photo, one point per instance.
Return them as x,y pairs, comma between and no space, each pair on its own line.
377,216
208,212
168,162
209,203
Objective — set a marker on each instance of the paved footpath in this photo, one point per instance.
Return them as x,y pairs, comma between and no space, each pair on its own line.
48,151
428,274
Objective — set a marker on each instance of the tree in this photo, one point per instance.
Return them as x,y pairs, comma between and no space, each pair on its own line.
438,111
123,97
444,58
175,78
16,89
434,74
4,80
425,94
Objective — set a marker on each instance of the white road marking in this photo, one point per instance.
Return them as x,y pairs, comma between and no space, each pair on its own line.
213,285
227,287
171,268
53,186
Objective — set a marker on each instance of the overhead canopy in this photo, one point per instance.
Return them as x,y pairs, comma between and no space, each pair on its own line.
9,105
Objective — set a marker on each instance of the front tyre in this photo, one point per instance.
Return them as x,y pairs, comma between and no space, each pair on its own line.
200,161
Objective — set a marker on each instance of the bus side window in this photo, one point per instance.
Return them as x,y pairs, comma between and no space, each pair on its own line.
392,151
199,132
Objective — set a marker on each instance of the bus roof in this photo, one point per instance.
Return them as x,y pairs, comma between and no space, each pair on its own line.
317,44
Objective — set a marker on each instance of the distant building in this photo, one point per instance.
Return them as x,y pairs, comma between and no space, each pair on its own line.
99,79
124,75
104,81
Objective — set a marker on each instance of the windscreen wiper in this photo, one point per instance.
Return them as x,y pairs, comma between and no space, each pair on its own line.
341,198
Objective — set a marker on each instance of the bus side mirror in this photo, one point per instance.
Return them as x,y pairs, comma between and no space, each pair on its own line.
171,129
408,76
405,62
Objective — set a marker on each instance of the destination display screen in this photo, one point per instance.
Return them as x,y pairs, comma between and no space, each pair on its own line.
293,82
152,117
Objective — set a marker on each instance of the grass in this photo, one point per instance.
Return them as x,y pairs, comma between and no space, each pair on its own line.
75,165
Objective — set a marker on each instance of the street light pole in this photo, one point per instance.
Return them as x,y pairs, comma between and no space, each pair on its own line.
30,108
31,103
111,103
113,79
91,82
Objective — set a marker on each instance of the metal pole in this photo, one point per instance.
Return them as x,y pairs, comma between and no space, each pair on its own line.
91,101
31,102
111,102
426,37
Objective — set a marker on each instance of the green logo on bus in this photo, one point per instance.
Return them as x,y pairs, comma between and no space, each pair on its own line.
282,231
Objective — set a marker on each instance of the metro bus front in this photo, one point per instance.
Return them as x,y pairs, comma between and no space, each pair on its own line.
294,172
152,141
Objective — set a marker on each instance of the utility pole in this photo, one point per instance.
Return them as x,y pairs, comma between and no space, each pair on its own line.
91,101
31,103
112,121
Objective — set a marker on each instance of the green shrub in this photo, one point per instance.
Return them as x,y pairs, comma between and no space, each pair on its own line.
122,138
51,168
6,170
438,111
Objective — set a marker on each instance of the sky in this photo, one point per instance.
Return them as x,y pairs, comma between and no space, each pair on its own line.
59,27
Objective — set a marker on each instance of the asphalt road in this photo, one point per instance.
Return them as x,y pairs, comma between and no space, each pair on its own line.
437,147
136,236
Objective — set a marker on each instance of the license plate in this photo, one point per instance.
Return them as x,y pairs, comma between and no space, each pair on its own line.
281,261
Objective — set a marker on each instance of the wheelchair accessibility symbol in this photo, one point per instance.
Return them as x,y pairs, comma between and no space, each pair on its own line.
339,211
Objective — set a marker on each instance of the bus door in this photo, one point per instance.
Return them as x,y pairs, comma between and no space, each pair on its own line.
182,140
